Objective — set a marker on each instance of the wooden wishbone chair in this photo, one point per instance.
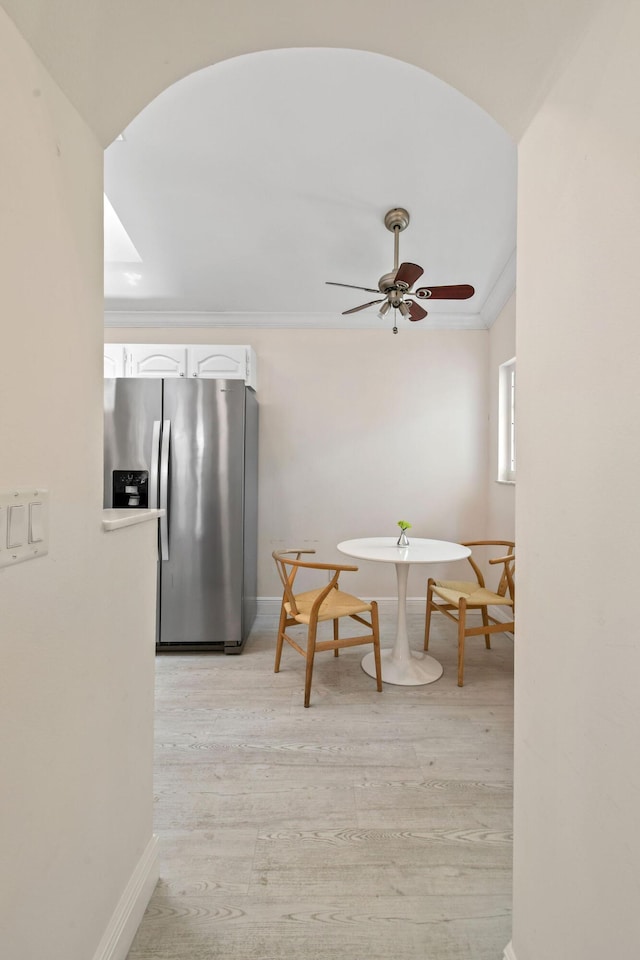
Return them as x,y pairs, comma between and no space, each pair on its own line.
463,595
314,606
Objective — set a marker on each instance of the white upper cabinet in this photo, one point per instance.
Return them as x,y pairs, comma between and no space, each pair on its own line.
156,360
223,363
115,357
219,362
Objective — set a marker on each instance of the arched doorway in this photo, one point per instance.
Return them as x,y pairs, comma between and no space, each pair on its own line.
268,151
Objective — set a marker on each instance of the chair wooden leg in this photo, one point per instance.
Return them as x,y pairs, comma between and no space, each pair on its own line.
462,618
427,619
335,636
376,644
280,641
485,621
311,649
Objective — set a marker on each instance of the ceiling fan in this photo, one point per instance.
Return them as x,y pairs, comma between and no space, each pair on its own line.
396,285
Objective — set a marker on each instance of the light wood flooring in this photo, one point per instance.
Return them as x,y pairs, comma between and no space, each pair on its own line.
369,826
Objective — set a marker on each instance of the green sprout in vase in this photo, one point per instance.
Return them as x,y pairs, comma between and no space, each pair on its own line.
404,525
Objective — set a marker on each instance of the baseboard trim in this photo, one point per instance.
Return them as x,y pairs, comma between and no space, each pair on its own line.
270,606
509,952
126,918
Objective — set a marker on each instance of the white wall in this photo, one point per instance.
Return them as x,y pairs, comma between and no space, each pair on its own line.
359,429
577,846
76,627
501,519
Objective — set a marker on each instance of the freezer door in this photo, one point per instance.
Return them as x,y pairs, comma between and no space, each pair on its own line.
132,414
202,580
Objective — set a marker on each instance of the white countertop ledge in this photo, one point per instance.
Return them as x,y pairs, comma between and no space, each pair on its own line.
115,519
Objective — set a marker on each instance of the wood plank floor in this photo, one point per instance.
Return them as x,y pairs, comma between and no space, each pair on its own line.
371,825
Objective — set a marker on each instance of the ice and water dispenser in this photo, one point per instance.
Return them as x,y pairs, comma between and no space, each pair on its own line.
131,488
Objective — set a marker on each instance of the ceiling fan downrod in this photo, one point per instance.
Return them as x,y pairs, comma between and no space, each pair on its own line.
396,221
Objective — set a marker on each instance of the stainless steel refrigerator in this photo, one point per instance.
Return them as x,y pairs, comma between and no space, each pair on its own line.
191,446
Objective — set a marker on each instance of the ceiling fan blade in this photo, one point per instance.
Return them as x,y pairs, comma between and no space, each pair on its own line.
416,312
459,291
331,283
408,273
361,307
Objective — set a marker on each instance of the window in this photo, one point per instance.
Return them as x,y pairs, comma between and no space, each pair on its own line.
507,422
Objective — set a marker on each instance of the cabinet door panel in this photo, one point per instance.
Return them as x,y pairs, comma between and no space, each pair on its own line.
114,359
218,362
157,360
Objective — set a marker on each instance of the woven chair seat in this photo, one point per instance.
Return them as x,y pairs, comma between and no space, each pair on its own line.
337,604
453,591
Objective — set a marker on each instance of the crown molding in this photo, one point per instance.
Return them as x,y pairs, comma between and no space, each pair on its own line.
503,288
291,321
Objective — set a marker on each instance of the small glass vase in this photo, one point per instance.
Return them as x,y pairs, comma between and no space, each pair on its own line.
403,540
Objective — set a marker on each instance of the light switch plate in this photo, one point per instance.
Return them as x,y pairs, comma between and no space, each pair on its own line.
24,525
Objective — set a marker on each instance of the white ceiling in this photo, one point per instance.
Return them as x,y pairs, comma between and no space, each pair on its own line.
248,184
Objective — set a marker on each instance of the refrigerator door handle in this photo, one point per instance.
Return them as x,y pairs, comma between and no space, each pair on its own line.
155,464
164,489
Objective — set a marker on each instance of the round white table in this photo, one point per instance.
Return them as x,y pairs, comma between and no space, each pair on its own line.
400,664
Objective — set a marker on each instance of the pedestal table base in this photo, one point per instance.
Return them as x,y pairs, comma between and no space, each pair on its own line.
407,673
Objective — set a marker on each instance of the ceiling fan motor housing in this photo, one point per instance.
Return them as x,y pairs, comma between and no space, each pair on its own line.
387,283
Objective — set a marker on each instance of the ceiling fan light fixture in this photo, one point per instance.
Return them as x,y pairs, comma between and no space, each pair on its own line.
398,283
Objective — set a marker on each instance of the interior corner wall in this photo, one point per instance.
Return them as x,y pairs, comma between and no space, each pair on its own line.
77,625
501,497
359,429
577,790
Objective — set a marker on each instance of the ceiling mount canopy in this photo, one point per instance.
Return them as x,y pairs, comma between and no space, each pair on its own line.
396,285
